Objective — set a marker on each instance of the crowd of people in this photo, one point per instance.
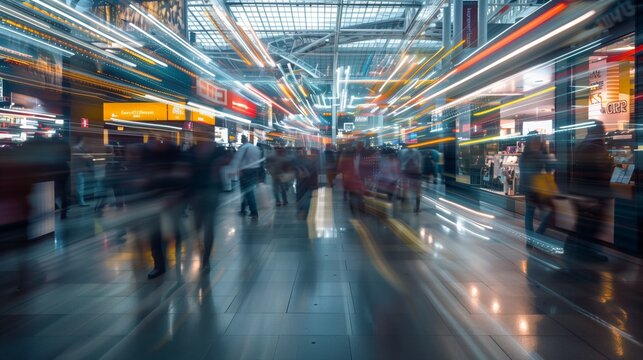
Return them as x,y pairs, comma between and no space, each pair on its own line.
177,181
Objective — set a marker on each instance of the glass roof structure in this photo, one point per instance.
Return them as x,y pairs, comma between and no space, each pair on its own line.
308,33
311,30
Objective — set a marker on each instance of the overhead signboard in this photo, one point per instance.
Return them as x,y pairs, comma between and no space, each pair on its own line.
202,118
209,91
470,23
241,105
135,111
176,113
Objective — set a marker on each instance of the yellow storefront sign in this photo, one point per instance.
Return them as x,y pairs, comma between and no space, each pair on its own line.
138,111
202,118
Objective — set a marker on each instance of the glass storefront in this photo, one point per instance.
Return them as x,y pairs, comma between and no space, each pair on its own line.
607,94
492,128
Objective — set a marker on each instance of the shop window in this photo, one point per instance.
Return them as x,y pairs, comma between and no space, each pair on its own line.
605,83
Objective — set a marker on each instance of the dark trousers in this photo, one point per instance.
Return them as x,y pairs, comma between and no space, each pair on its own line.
247,183
61,191
330,177
204,207
157,245
590,219
279,189
531,204
156,241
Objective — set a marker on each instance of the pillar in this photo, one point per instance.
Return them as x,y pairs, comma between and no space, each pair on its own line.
446,31
457,21
483,9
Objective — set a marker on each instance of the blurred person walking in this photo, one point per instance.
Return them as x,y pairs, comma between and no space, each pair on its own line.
247,161
592,171
537,184
352,183
83,166
410,164
277,167
330,161
388,173
307,174
61,152
207,184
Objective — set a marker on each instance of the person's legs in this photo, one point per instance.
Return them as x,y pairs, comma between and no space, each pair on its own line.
156,245
80,188
243,187
547,210
284,192
250,177
276,189
330,177
61,185
208,208
404,186
530,210
417,188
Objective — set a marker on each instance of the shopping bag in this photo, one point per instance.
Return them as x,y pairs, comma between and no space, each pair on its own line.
545,185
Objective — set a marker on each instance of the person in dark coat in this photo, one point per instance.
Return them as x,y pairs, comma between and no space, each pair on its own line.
207,162
592,171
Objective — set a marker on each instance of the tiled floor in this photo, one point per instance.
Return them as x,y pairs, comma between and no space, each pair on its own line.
458,285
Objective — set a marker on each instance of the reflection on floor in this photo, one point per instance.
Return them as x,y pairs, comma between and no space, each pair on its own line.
451,282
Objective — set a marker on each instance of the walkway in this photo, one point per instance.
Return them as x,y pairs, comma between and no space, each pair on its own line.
447,283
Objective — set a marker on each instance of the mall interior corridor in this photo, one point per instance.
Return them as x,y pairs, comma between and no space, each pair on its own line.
321,179
436,285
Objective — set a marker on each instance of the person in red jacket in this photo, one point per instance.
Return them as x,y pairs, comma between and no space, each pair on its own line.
351,180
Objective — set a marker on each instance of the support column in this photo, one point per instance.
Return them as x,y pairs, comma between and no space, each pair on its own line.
638,121
483,9
334,103
446,31
457,21
564,115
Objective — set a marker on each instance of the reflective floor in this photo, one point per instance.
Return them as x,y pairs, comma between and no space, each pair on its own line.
449,283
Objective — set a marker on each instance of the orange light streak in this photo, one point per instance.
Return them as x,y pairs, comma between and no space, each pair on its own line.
227,39
432,142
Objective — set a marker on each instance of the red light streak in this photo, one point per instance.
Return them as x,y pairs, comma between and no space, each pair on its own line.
513,36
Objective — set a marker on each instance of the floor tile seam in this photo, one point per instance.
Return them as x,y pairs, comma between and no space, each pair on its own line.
577,336
493,338
147,318
590,316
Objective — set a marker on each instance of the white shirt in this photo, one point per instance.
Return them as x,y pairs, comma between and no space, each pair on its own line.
248,157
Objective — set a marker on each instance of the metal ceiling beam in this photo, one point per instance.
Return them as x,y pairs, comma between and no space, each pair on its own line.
296,61
311,45
324,3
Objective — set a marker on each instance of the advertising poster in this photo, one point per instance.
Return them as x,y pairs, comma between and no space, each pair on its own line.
470,23
609,99
170,13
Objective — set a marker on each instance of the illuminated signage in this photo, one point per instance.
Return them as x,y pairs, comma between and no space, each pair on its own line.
616,107
241,105
135,111
176,113
209,91
202,118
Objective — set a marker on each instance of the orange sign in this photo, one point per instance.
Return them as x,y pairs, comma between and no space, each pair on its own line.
176,113
136,111
201,118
